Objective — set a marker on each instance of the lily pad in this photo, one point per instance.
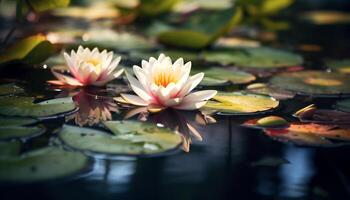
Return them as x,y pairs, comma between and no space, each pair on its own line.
343,105
297,137
110,39
31,50
342,66
24,106
265,89
256,57
129,138
323,116
44,5
9,132
16,121
9,149
310,134
201,29
218,76
10,89
267,122
43,164
313,83
239,103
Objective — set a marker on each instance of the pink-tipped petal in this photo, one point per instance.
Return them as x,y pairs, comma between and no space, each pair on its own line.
191,84
66,79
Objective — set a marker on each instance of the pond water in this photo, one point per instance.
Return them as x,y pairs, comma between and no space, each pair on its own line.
220,157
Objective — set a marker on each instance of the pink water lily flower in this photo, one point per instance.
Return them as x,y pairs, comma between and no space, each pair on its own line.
161,83
88,67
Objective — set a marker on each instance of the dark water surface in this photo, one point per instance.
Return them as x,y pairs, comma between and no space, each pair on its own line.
231,162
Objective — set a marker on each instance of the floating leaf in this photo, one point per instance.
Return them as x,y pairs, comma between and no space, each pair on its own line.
313,83
9,149
96,11
343,105
240,103
297,136
277,93
10,89
44,5
323,116
272,121
260,57
16,121
342,66
153,8
42,164
9,132
24,106
129,138
30,50
110,39
310,133
324,17
269,162
218,76
201,29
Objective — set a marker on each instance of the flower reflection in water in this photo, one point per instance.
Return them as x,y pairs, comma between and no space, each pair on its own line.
184,122
92,108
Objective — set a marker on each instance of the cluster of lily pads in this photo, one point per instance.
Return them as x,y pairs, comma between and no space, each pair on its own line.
234,71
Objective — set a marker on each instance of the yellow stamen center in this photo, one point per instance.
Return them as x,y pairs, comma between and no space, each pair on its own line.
94,62
164,79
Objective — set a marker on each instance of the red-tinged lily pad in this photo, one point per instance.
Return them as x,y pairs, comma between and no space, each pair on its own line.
310,134
31,50
323,116
312,82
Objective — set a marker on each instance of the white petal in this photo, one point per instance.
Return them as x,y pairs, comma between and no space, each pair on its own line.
203,95
133,99
191,84
109,78
137,88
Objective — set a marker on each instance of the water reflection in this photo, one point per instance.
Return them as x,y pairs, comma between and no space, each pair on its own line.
92,108
186,123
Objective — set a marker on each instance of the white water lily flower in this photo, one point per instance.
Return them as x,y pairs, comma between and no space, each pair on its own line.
161,83
88,68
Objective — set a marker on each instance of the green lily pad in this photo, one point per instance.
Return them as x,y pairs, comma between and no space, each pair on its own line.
272,121
215,75
16,121
10,89
137,56
110,39
313,83
201,29
254,57
44,5
342,66
9,132
9,149
31,50
43,164
343,105
265,89
239,103
24,106
152,8
129,138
